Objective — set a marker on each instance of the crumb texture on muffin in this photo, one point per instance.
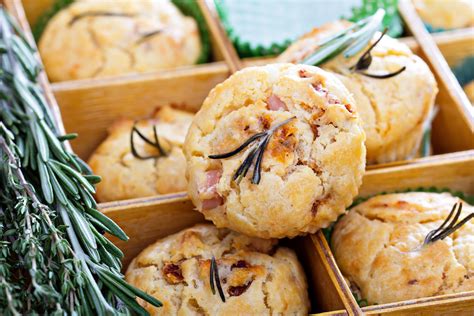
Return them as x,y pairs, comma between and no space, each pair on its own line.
124,176
257,277
446,14
98,38
377,247
393,111
311,168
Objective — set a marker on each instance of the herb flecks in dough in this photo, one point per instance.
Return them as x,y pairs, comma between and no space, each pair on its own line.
449,226
365,61
260,141
156,144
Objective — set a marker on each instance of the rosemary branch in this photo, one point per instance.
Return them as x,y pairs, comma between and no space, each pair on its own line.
54,258
350,42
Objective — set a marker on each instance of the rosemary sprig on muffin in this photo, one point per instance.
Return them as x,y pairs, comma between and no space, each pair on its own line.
365,61
156,144
54,257
262,139
215,280
350,42
449,225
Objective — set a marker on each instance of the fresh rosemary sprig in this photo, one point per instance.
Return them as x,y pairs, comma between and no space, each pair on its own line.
156,143
256,153
54,258
365,61
449,226
350,42
215,280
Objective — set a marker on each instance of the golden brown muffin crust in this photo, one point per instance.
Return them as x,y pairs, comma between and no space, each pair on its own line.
257,277
392,110
99,38
377,246
124,176
311,168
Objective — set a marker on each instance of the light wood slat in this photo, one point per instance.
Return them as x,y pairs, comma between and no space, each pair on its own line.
218,32
322,248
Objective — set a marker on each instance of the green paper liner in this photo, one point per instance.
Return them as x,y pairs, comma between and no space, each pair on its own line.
188,8
252,48
40,25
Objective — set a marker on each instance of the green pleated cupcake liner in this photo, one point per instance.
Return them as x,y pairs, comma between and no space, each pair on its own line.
262,28
187,7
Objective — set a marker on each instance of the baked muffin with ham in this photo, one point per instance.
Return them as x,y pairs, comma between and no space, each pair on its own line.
275,151
394,96
204,270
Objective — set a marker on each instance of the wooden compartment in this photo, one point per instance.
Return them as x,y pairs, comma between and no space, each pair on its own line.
148,219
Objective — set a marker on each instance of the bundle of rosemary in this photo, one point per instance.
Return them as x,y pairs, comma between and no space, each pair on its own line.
54,258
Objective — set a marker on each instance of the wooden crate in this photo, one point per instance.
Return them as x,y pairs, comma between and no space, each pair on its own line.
89,106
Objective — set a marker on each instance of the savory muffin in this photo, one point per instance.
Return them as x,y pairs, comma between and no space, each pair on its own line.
256,276
304,158
393,110
446,14
98,38
125,175
378,247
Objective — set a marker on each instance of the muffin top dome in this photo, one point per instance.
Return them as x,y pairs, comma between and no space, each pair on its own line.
125,176
98,38
393,110
256,276
305,155
378,247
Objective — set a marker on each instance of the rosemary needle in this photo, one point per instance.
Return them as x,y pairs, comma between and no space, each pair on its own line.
365,61
215,279
256,153
449,225
156,143
350,42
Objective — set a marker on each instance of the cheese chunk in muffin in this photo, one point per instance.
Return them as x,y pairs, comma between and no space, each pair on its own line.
378,247
309,162
99,38
393,110
124,176
256,276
